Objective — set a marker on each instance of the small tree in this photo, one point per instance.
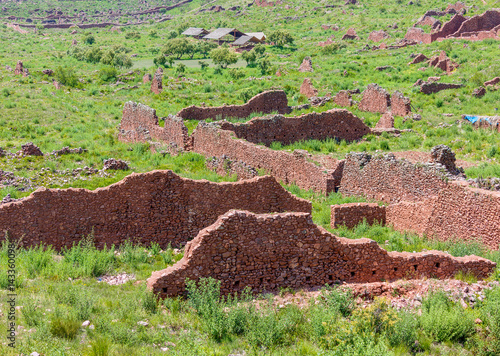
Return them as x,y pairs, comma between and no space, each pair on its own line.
178,47
223,56
203,65
281,38
250,57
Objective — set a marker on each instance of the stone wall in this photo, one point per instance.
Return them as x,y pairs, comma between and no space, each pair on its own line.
265,102
388,179
410,216
375,99
140,124
352,214
319,172
158,206
343,98
465,213
435,87
267,252
335,123
400,105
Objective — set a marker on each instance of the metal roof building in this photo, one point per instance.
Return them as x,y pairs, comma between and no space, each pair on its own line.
258,35
245,39
195,32
220,33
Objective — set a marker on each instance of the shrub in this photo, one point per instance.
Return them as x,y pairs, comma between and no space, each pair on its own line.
66,76
236,74
444,320
132,35
150,302
108,74
89,39
223,56
404,331
280,38
33,315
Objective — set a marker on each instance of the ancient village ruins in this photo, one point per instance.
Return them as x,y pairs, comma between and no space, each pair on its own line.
253,232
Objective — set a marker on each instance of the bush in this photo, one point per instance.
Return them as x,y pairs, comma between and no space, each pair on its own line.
108,74
404,331
236,74
32,313
131,35
445,321
280,38
89,39
66,76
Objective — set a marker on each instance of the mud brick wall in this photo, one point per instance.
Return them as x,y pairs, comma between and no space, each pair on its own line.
158,206
410,216
465,213
266,252
265,102
320,173
353,214
140,124
388,179
375,99
336,123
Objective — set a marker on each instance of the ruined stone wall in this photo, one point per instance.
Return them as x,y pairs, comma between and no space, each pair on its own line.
410,216
265,102
375,99
266,252
140,124
336,123
465,213
388,179
353,214
400,105
418,35
290,167
158,206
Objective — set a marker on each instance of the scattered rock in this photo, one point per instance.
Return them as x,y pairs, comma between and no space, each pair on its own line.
350,35
479,92
493,81
19,68
66,150
30,149
115,164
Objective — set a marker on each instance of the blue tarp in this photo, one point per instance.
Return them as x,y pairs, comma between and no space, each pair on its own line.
471,118
474,119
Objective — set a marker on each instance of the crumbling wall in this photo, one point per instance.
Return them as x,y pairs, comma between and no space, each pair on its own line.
400,105
266,252
353,214
140,124
320,173
158,206
265,102
343,98
388,179
375,99
335,123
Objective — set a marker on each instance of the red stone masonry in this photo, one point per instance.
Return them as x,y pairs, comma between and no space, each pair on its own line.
352,214
265,102
377,36
343,98
465,213
400,105
375,99
385,178
319,172
335,123
410,216
386,121
140,124
267,252
308,89
158,206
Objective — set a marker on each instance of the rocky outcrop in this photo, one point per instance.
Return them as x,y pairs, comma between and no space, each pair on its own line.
30,149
